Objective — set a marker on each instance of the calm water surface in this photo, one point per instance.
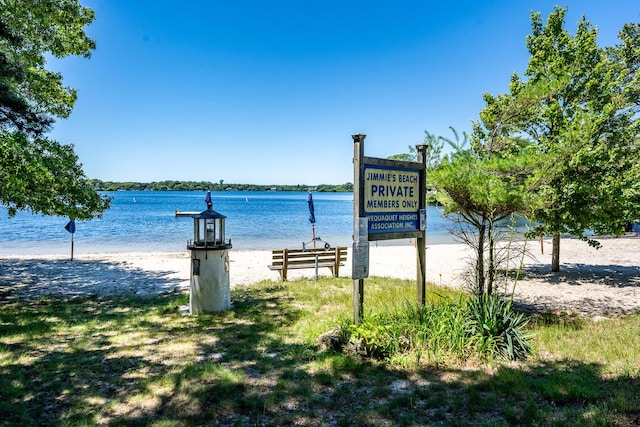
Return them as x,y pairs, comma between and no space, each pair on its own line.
146,221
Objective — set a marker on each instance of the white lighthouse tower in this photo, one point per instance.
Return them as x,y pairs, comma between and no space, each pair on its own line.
209,288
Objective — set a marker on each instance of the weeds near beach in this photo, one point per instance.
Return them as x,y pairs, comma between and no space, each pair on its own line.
453,329
135,361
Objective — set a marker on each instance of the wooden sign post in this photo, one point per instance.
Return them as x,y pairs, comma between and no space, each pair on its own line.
389,202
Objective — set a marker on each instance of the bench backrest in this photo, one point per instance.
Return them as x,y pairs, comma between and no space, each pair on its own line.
303,256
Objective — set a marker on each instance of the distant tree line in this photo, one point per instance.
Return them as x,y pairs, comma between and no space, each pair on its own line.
171,185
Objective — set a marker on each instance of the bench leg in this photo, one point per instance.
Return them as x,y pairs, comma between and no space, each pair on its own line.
285,263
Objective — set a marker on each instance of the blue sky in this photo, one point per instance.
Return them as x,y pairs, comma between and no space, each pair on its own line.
270,92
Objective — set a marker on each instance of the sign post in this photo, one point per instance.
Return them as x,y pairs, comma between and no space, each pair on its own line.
389,203
421,240
360,268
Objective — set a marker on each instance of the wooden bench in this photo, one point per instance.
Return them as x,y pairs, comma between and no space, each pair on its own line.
290,259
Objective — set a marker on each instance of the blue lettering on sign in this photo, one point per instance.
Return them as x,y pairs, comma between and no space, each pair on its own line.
391,199
393,223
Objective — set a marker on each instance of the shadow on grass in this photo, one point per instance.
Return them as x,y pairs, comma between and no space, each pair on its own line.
563,392
138,361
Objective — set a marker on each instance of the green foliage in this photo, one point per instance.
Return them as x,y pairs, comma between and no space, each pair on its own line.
444,330
340,188
36,173
44,176
484,189
376,338
438,331
129,360
497,329
458,145
31,30
405,157
625,58
433,153
481,186
579,116
15,109
562,148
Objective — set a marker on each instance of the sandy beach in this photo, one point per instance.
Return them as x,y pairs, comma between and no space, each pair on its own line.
591,282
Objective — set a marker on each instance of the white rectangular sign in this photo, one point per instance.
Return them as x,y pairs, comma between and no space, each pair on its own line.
360,260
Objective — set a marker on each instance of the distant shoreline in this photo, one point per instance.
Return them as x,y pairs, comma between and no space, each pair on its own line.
175,185
99,185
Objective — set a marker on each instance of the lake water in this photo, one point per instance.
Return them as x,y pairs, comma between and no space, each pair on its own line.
146,221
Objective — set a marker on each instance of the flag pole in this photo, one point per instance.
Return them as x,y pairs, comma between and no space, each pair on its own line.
72,246
313,235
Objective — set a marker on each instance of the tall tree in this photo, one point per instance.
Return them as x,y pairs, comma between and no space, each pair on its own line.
578,117
36,173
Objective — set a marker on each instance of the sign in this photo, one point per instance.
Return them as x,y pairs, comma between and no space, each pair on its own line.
360,260
391,198
71,226
389,202
363,229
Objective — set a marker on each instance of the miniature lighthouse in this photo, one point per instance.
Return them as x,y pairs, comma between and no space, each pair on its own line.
209,288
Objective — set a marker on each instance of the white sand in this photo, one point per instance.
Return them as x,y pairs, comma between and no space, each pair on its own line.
597,282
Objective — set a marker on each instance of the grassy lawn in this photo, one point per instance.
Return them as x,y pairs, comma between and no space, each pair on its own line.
132,361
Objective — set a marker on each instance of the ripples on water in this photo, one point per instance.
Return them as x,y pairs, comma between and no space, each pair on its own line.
146,221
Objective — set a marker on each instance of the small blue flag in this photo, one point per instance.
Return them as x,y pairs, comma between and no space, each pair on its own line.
71,226
207,199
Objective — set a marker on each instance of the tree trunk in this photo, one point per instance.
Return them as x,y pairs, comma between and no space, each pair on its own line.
555,254
491,270
480,261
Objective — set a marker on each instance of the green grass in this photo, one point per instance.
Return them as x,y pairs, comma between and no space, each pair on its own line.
134,361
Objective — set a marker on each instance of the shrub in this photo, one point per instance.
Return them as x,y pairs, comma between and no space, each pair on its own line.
439,329
379,337
497,329
449,329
